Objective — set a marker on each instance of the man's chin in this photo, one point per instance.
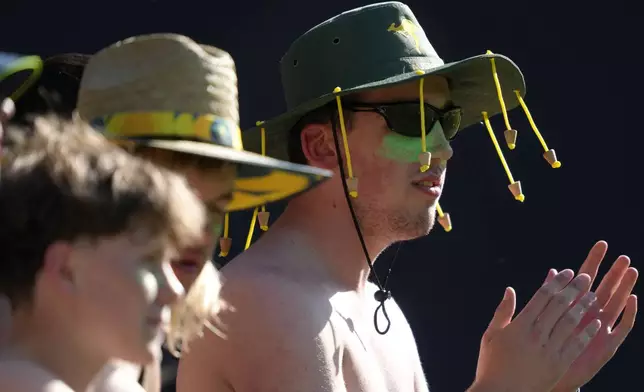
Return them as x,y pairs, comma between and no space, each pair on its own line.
418,231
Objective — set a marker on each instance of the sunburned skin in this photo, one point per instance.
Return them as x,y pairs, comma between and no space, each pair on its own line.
406,149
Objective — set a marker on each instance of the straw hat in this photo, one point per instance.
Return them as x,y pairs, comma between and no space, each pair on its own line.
166,91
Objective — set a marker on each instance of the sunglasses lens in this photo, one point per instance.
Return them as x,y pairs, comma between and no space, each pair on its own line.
451,123
404,119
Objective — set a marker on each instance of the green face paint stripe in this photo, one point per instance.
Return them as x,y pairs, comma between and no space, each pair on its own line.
406,149
400,148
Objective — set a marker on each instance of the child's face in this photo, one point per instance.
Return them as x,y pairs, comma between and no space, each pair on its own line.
214,186
121,291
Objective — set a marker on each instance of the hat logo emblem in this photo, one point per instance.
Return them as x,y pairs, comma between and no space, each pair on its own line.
408,29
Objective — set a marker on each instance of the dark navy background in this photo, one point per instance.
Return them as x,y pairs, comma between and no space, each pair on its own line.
581,92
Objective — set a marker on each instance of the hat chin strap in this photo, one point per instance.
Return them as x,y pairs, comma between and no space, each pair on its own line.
382,294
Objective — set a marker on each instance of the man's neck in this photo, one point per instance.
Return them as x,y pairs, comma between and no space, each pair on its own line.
55,350
324,237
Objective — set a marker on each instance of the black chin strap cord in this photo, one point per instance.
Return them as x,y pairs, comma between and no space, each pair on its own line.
382,294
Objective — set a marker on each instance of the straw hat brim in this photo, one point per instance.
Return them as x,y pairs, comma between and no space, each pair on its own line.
260,179
17,74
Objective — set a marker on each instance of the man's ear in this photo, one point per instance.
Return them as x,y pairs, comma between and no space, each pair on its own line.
318,146
57,265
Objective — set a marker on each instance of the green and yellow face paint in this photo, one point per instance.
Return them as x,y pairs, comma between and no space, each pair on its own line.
407,149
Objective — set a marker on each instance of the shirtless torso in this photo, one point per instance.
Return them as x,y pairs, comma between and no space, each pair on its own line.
294,329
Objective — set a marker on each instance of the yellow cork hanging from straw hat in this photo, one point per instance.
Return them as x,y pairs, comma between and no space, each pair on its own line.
262,216
225,242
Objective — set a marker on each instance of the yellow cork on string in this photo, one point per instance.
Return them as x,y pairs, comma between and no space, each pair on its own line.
251,230
264,215
549,154
510,134
352,182
444,218
425,157
225,242
515,186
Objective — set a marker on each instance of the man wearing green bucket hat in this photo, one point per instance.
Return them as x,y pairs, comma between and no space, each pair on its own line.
369,98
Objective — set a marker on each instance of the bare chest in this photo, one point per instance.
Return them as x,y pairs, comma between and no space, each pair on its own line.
369,361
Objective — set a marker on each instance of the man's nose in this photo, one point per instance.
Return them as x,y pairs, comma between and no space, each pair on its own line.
443,153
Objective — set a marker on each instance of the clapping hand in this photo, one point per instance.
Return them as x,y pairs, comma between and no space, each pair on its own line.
533,351
613,297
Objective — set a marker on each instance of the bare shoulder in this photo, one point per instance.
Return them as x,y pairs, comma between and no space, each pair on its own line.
25,376
278,325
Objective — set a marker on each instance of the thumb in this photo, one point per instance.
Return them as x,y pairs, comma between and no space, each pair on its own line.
504,312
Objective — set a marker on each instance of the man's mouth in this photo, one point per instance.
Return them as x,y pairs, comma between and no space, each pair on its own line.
429,186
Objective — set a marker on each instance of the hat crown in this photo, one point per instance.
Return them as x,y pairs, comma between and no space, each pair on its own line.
374,42
157,73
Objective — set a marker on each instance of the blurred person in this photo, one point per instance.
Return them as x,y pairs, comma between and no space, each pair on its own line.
147,93
17,74
88,233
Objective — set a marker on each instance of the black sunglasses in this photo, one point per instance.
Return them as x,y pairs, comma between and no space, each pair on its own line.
404,117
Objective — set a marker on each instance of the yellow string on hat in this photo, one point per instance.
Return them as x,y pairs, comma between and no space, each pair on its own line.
352,182
515,186
510,134
549,154
425,156
225,242
263,214
251,230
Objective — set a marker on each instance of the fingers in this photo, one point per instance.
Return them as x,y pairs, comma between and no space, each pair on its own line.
618,300
504,312
569,321
594,260
551,275
578,343
611,280
542,297
625,326
558,306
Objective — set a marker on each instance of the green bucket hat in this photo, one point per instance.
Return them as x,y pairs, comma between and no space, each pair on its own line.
382,45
